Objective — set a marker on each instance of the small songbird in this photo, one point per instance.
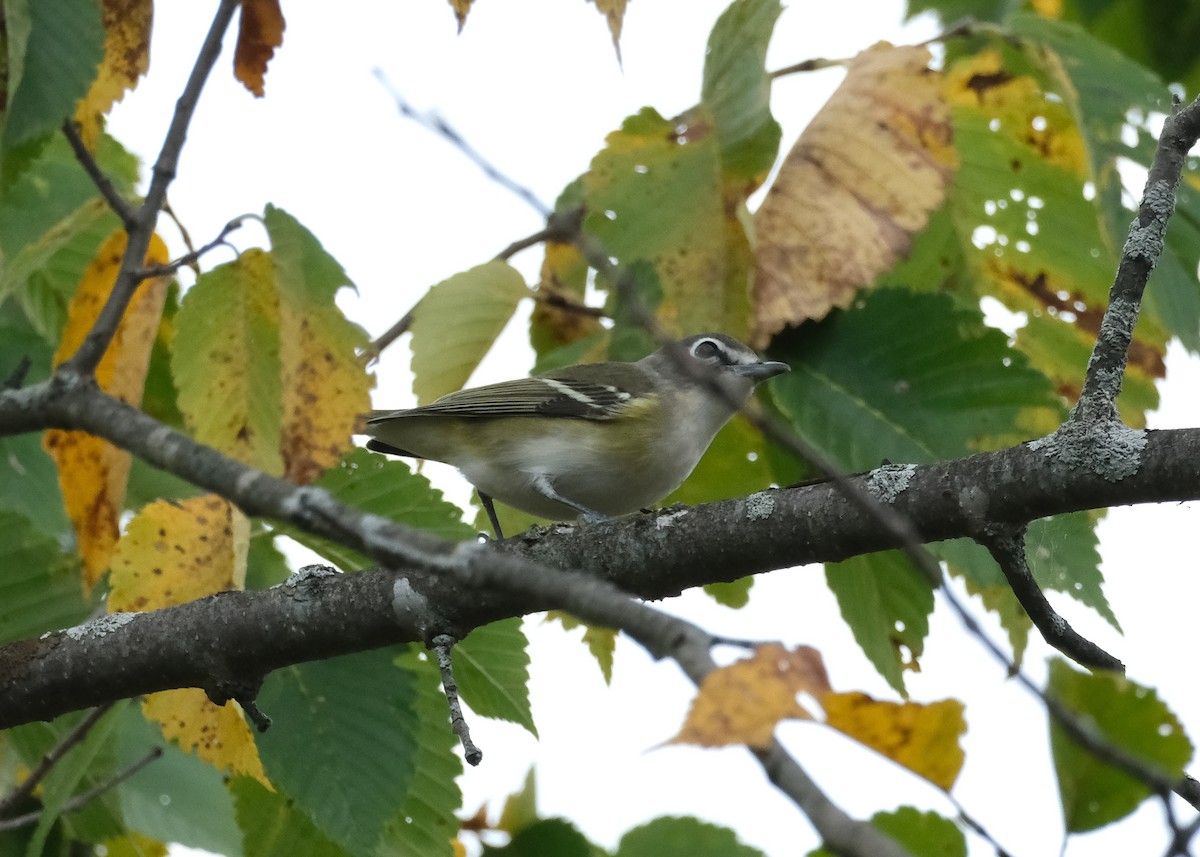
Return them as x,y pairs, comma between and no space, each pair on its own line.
593,441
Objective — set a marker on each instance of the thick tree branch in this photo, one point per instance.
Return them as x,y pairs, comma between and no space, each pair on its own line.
246,635
663,635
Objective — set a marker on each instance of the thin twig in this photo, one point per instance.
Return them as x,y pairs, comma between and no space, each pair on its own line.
84,798
85,360
52,757
1006,544
120,206
16,378
191,257
372,351
440,126
442,646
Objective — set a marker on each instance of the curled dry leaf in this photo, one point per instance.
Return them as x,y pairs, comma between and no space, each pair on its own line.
742,703
862,179
260,32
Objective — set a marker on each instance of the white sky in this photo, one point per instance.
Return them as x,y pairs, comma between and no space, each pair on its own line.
534,85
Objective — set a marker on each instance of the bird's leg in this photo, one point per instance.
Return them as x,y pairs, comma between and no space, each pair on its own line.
541,484
490,508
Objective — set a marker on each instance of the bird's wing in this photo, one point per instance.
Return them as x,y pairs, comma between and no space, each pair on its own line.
576,393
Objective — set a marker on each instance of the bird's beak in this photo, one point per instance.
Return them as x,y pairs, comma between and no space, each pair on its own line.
757,372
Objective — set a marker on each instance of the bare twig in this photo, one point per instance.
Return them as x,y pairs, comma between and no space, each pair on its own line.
372,351
16,378
84,798
439,126
1006,544
52,757
191,257
141,227
120,206
442,646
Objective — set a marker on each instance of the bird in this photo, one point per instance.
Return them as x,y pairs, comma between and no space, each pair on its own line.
592,441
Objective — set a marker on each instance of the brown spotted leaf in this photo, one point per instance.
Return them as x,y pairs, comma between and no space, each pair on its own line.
172,553
325,387
126,58
743,702
614,13
260,32
92,473
860,182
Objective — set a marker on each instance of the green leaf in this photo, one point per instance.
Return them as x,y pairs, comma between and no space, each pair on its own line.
543,839
376,484
700,257
1064,556
1129,716
492,668
456,323
1172,296
266,565
29,480
1038,244
343,743
273,827
71,776
225,361
39,588
735,593
886,602
922,834
426,823
61,54
908,378
176,798
682,837
737,88
601,642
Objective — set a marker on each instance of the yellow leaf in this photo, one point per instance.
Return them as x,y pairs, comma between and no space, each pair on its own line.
173,553
862,179
134,845
91,472
260,32
325,388
742,703
126,58
225,360
218,734
921,737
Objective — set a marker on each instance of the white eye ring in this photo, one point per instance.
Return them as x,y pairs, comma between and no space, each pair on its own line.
707,349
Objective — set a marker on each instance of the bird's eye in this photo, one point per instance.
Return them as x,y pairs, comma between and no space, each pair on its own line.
707,349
